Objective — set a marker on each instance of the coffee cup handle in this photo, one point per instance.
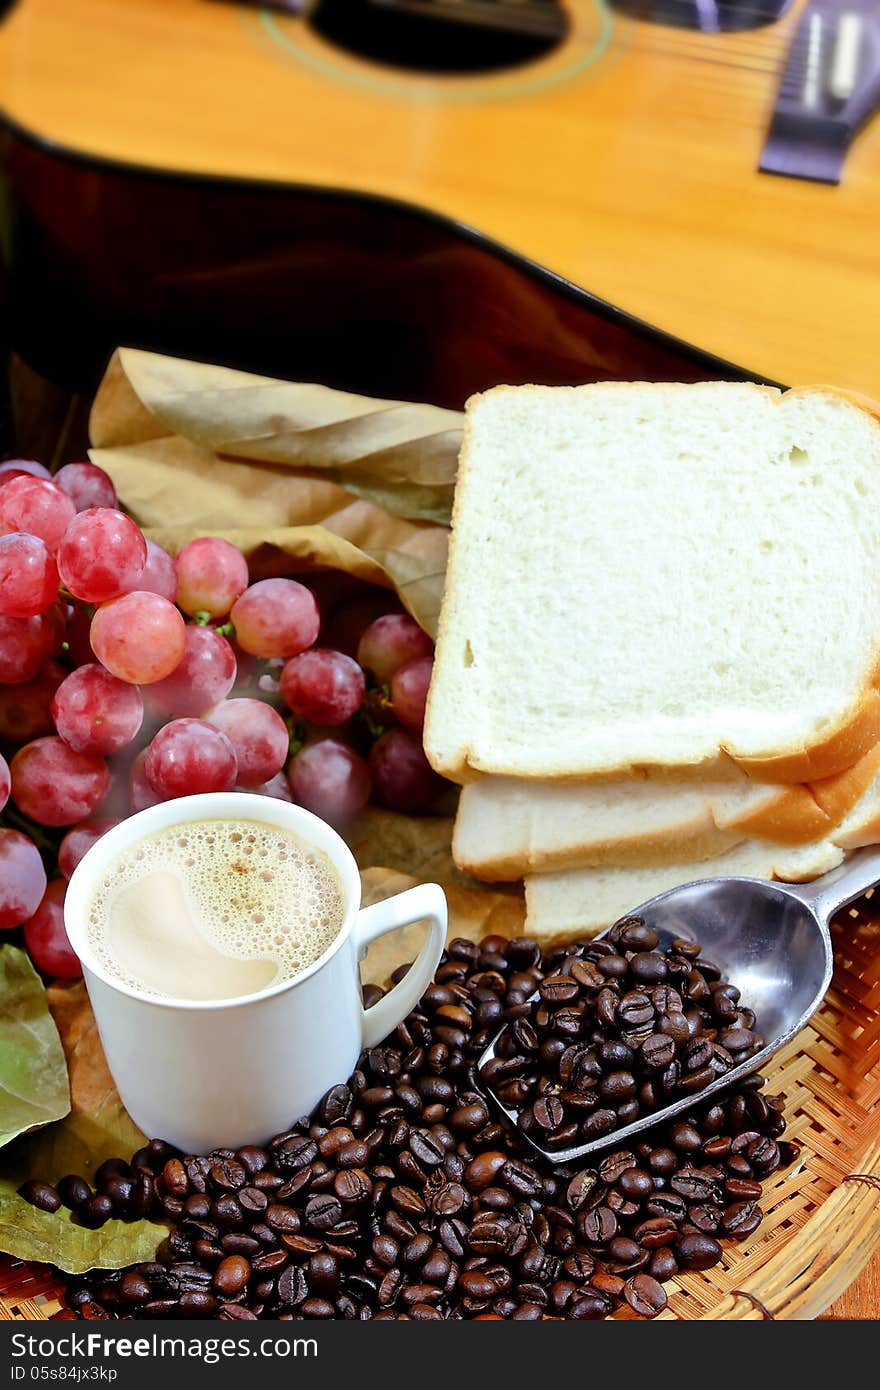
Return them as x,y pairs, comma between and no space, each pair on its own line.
426,903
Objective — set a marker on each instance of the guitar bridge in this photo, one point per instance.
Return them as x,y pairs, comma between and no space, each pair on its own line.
831,85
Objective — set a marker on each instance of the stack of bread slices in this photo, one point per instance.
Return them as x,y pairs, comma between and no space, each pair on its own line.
659,650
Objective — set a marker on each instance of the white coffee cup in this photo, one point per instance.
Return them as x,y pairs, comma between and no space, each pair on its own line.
208,1074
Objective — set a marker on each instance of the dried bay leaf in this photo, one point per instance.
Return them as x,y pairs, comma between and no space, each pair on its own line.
400,455
34,1088
97,1127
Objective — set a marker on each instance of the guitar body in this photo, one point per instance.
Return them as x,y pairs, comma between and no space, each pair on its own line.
227,182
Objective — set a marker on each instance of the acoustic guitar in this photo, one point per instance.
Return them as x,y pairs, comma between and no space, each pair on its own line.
307,192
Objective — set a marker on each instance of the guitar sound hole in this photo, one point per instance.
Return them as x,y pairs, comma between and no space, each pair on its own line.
439,36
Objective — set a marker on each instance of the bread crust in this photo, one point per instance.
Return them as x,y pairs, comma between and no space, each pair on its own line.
850,738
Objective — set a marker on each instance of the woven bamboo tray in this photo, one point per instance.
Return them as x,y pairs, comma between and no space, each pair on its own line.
822,1217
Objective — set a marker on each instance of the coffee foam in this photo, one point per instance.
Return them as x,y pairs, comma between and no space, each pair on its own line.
172,913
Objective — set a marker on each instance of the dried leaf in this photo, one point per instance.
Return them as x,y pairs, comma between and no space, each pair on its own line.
34,1089
97,1127
398,454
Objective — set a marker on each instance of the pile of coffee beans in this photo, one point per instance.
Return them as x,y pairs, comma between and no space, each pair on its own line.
403,1197
618,1031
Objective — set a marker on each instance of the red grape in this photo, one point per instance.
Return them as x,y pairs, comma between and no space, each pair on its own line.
391,641
28,576
402,775
79,841
257,733
189,756
22,878
86,485
55,785
409,692
140,792
20,468
330,779
159,575
103,555
26,709
95,712
46,938
211,574
203,676
38,507
26,645
345,626
5,781
323,687
139,637
276,787
276,617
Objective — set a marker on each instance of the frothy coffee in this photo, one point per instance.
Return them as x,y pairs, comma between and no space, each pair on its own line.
214,910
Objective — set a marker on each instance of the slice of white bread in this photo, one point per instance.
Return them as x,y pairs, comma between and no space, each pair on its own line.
508,826
647,574
577,902
581,902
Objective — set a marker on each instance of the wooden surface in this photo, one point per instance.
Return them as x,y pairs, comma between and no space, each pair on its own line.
862,1299
626,161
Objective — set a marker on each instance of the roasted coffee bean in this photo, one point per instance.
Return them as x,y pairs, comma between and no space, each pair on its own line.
134,1288
287,1190
694,1186
175,1179
482,1170
352,1186
583,1188
93,1213
252,1199
635,1009
656,1232
635,1184
322,1212
697,1251
41,1194
72,1192
231,1275
449,1199
663,1265
558,989
663,1162
401,1197
589,1305
295,1153
227,1175
706,1217
597,1123
645,1295
407,1201
119,1190
666,1204
740,1219
598,1225
282,1219
520,1178
227,1213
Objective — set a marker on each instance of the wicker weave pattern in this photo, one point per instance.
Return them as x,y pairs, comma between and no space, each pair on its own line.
822,1219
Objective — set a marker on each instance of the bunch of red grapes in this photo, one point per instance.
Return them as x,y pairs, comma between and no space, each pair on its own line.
128,678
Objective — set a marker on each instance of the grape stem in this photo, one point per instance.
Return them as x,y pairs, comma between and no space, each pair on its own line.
12,816
298,733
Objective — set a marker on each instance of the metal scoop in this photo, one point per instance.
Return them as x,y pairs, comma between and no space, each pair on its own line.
771,940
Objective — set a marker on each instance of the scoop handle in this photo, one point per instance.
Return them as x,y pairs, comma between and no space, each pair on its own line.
837,888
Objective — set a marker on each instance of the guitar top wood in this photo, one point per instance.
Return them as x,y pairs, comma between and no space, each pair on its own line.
624,162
